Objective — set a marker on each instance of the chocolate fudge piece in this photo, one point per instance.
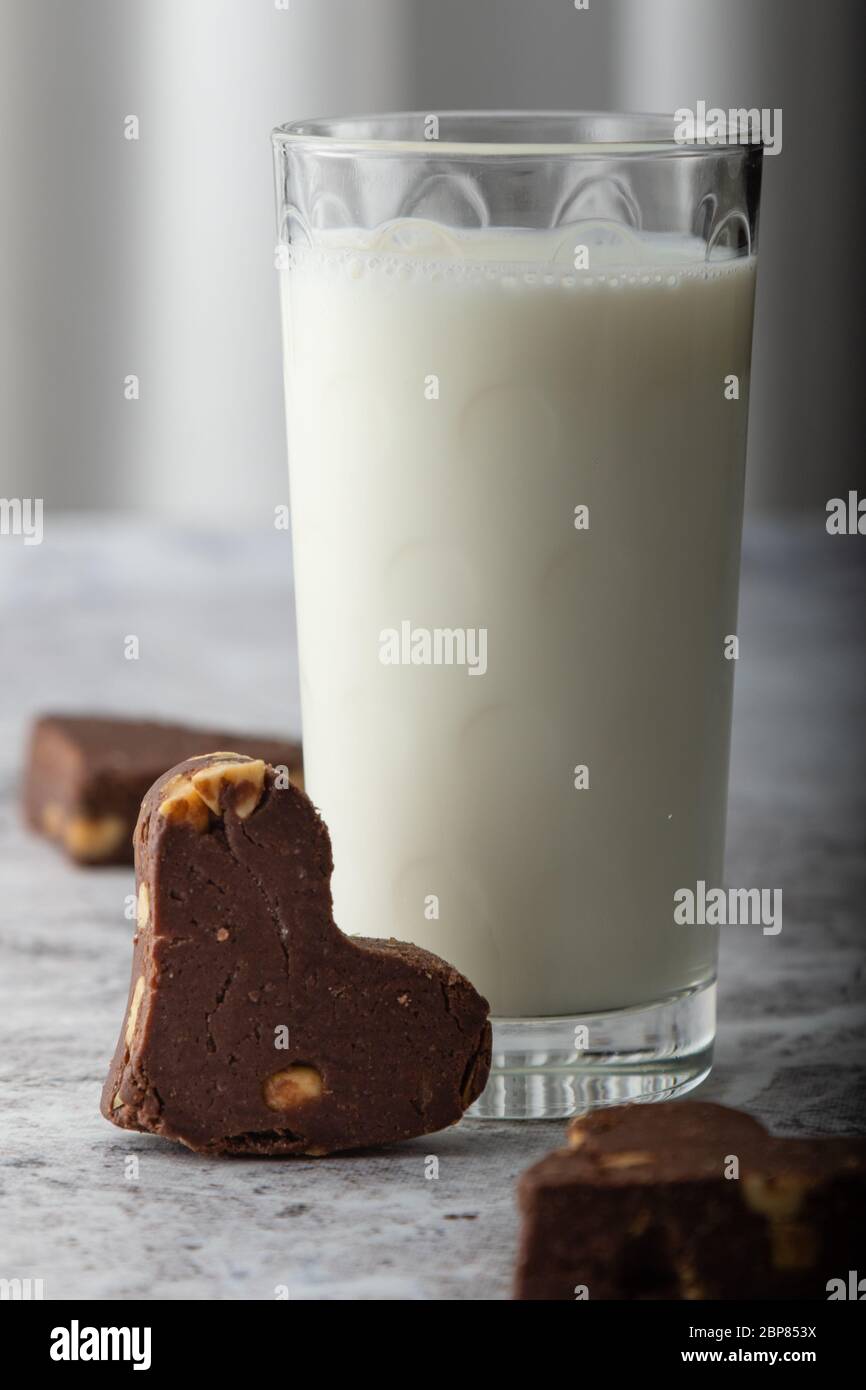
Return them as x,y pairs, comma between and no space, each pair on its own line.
86,775
254,1025
645,1204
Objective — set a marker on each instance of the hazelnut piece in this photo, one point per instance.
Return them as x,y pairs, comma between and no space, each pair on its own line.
793,1243
182,804
93,837
295,1085
244,780
626,1159
142,912
778,1198
135,1005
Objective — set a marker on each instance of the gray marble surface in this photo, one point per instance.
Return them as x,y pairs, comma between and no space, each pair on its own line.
214,620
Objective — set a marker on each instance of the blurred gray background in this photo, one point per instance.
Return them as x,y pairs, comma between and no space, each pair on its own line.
155,256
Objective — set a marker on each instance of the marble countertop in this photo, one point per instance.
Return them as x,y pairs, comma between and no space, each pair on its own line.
213,616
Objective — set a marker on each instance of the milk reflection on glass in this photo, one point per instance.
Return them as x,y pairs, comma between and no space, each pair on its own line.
519,445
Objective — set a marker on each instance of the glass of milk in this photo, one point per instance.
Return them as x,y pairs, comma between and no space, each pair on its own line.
517,353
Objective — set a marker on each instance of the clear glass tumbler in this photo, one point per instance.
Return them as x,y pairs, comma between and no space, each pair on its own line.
517,353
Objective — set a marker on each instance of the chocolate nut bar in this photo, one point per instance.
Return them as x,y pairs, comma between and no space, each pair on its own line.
689,1200
254,1025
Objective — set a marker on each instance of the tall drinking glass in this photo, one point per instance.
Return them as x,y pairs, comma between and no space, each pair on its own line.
517,354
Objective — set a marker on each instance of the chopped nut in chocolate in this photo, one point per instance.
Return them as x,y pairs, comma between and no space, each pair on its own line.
689,1200
254,1025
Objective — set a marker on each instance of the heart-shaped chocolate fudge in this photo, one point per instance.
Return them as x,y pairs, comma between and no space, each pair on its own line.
254,1025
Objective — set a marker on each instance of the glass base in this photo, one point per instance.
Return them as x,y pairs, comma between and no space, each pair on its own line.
550,1068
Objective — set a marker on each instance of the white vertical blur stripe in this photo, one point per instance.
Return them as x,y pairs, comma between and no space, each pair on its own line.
218,75
804,58
67,72
155,257
673,51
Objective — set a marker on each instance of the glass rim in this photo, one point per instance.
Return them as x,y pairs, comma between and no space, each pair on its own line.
635,134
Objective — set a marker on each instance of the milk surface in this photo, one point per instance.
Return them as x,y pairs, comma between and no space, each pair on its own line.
452,400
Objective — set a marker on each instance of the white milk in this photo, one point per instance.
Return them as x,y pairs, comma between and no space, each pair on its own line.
451,796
